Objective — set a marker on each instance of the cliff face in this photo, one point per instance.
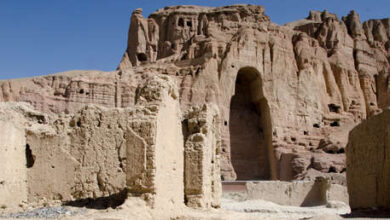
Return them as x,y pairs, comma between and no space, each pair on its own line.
288,95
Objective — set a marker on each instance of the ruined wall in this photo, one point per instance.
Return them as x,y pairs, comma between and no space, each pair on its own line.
78,157
320,77
169,155
368,163
202,157
98,153
13,175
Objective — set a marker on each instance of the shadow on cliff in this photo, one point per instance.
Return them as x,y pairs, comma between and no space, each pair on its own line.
111,201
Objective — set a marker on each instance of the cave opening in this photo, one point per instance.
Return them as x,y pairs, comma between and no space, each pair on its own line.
250,128
142,57
30,157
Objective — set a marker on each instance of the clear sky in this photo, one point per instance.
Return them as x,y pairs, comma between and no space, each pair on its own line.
39,37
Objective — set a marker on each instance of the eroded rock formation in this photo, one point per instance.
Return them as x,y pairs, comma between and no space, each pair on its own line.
294,90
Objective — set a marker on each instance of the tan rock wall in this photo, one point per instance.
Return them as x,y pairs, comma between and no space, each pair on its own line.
13,175
169,156
80,158
98,152
53,174
368,163
68,92
202,157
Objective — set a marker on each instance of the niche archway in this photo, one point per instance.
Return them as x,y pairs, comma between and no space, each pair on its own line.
250,127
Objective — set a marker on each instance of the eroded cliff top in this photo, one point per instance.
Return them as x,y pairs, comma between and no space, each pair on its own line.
194,9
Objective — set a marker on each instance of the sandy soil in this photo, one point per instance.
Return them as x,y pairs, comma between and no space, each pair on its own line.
136,209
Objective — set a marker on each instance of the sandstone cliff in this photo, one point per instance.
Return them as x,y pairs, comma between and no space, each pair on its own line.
287,95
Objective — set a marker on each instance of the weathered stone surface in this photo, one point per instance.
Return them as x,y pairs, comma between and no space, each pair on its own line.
202,157
142,40
293,193
68,92
304,82
368,163
13,177
98,152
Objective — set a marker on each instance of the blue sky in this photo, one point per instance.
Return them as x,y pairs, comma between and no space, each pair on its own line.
39,37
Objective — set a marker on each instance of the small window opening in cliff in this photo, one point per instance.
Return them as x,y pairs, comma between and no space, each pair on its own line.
81,91
197,71
341,151
142,57
184,57
30,158
335,124
250,127
376,80
334,108
181,22
332,169
189,23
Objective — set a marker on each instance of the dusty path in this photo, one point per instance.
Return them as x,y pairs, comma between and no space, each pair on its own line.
136,209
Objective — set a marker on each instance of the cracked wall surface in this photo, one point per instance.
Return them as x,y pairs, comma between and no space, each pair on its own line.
97,152
202,177
13,177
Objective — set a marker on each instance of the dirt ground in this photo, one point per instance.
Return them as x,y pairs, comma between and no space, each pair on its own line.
135,209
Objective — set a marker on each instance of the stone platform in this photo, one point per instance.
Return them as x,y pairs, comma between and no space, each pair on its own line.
295,193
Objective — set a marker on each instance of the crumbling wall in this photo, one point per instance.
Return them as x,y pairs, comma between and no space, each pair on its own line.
169,155
13,166
202,157
368,163
78,157
99,153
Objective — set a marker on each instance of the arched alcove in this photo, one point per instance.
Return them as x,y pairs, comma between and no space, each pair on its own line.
250,127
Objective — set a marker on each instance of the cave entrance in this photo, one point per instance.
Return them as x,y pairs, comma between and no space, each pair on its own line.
249,127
